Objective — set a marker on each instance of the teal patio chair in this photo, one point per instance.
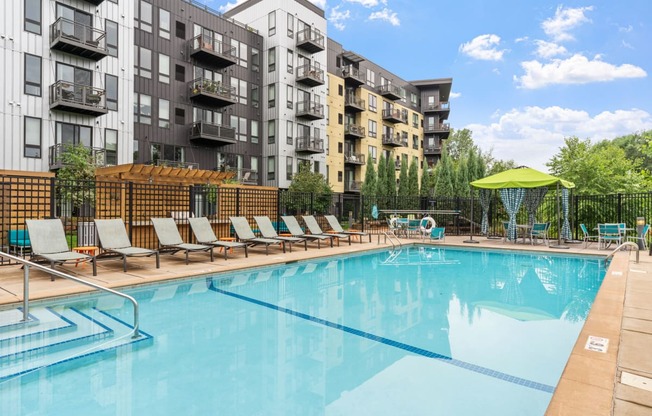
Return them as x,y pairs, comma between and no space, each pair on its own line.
438,234
539,230
608,234
641,239
586,237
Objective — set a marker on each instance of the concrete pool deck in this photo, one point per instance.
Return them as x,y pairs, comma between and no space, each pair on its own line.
593,383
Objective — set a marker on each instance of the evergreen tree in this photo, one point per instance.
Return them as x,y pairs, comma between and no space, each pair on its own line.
444,186
426,182
462,179
403,189
391,179
413,179
382,176
370,185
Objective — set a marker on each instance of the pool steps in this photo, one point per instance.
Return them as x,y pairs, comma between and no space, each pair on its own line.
55,335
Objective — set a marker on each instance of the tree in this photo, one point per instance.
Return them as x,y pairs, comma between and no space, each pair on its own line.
381,184
637,147
369,187
459,144
413,179
444,185
391,178
403,189
307,181
426,182
498,166
76,175
462,187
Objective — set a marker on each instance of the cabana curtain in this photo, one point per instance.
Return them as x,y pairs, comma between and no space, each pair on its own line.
485,201
565,228
512,199
533,199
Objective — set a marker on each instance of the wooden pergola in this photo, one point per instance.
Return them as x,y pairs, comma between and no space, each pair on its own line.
161,175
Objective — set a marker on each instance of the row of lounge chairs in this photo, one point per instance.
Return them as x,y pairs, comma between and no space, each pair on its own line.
49,241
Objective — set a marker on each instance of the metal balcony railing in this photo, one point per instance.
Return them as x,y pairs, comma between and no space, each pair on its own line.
354,103
310,75
353,75
310,40
354,158
212,92
310,110
213,51
354,130
210,133
55,160
78,98
307,144
352,186
78,39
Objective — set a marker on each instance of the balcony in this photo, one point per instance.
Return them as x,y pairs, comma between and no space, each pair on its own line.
394,116
245,176
353,104
353,158
95,2
432,150
394,140
211,93
391,92
77,98
307,144
353,186
211,51
310,40
442,107
310,110
310,75
353,76
437,128
166,163
397,164
204,133
353,131
78,39
98,156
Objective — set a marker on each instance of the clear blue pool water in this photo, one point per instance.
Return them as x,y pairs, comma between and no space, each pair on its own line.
430,331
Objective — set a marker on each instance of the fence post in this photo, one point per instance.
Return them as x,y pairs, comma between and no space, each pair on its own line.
191,210
362,211
312,203
620,207
278,211
237,202
53,191
130,207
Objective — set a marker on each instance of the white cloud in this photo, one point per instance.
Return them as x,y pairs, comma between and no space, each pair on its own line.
228,6
483,47
338,17
627,45
565,20
319,3
625,29
368,3
549,49
454,95
542,131
574,70
519,40
386,15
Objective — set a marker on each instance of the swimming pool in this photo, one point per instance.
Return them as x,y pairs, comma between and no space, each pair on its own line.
431,330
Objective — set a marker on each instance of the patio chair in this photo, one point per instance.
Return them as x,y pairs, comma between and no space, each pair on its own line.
337,227
586,237
315,229
19,241
539,230
113,239
438,234
245,234
641,239
267,230
608,234
49,242
204,234
295,229
426,225
170,239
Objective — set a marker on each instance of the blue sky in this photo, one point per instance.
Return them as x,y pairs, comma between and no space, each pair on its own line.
525,74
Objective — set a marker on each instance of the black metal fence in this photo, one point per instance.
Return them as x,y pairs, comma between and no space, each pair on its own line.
77,203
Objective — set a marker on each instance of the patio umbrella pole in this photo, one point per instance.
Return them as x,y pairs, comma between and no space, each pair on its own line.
559,244
471,240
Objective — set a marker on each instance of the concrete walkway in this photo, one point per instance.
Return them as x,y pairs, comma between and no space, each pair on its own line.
615,382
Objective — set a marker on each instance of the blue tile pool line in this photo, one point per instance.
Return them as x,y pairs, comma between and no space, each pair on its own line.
416,350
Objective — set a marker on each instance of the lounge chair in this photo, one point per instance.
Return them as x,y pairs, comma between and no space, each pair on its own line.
295,229
315,229
204,234
170,239
48,240
267,230
113,239
337,227
246,235
438,234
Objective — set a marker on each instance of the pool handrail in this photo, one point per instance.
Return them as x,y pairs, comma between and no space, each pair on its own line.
26,266
626,243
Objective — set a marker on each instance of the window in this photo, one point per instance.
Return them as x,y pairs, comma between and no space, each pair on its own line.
179,73
143,108
373,129
254,131
415,141
316,166
371,78
111,146
373,153
340,147
288,168
339,176
174,153
290,98
271,96
290,25
241,89
255,60
74,134
340,118
413,99
415,120
288,133
255,96
163,68
271,168
32,75
143,17
32,137
372,102
271,60
179,116
271,131
136,152
111,83
163,113
241,51
254,164
180,30
77,76
111,37
33,16
290,62
271,23
164,23
155,151
240,126
143,60
340,90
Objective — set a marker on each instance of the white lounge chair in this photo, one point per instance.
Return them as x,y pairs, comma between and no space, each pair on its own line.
204,234
267,230
246,235
114,239
315,229
170,239
48,240
295,229
337,227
